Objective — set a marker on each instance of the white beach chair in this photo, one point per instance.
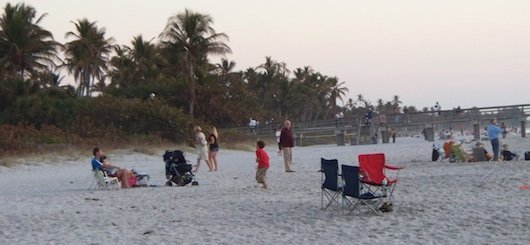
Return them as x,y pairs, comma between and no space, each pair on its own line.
104,182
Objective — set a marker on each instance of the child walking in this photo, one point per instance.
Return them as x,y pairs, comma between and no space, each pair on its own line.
262,158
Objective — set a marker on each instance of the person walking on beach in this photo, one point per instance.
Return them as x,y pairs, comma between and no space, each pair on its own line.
286,145
493,135
262,158
393,135
202,148
214,148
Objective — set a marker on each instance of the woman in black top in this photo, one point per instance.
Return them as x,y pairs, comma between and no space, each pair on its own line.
214,148
507,155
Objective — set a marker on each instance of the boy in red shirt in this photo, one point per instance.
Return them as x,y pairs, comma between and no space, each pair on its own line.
262,158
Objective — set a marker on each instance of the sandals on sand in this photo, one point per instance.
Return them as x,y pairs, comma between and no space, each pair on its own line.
386,207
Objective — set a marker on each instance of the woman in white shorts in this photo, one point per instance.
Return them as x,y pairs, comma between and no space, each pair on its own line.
202,147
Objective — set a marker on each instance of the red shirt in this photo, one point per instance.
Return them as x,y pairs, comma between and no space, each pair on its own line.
263,158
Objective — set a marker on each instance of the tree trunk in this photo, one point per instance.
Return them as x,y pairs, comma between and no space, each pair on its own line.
191,85
87,83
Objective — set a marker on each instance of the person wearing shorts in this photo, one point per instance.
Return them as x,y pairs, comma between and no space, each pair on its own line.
214,148
262,158
202,147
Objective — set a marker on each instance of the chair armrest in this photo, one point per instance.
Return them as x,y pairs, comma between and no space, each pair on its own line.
393,167
370,182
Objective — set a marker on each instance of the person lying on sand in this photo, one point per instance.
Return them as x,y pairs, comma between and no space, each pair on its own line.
100,162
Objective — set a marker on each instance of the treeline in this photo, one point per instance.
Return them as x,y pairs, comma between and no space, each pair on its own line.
151,87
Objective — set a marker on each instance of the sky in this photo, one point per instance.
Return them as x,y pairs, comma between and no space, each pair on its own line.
457,52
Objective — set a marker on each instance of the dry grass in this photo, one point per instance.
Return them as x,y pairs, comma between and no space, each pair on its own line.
243,142
8,162
48,154
57,153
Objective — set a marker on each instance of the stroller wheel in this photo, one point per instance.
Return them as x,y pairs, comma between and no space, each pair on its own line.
194,183
169,183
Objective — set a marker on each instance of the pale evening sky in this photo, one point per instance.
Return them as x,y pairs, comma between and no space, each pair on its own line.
467,53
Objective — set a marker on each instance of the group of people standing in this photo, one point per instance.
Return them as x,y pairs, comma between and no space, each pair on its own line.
493,135
207,149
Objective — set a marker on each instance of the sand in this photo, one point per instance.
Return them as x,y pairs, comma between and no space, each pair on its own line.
48,201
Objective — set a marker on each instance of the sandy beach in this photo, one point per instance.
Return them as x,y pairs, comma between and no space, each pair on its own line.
48,201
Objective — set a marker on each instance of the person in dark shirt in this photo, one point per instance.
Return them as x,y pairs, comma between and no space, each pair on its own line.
213,148
286,145
507,155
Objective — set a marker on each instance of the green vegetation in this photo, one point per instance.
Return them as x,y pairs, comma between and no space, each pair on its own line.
154,90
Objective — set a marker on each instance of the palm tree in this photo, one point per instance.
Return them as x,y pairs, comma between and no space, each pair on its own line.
364,102
191,36
301,74
146,57
87,56
396,104
337,91
225,67
122,71
136,64
273,73
50,79
25,47
380,106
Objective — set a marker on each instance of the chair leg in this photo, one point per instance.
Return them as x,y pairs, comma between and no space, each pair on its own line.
348,203
332,198
92,185
353,205
321,199
375,210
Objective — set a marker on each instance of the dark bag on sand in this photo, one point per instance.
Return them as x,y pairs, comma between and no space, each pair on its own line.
435,155
527,155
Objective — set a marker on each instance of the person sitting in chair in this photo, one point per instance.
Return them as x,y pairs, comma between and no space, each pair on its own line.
480,145
100,162
460,153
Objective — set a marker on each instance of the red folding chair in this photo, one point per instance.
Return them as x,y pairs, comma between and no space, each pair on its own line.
372,168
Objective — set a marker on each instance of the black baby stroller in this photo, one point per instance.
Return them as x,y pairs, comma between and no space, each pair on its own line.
178,170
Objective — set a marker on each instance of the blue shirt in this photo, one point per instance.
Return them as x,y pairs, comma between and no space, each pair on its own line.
96,164
493,131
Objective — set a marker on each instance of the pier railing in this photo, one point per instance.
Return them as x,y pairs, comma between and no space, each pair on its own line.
355,131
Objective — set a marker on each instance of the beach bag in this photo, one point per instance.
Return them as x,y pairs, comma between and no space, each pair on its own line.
527,155
435,155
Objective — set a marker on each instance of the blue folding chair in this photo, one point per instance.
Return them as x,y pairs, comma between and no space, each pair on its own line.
330,182
353,192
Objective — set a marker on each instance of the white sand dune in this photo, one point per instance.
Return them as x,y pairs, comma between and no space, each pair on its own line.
435,203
